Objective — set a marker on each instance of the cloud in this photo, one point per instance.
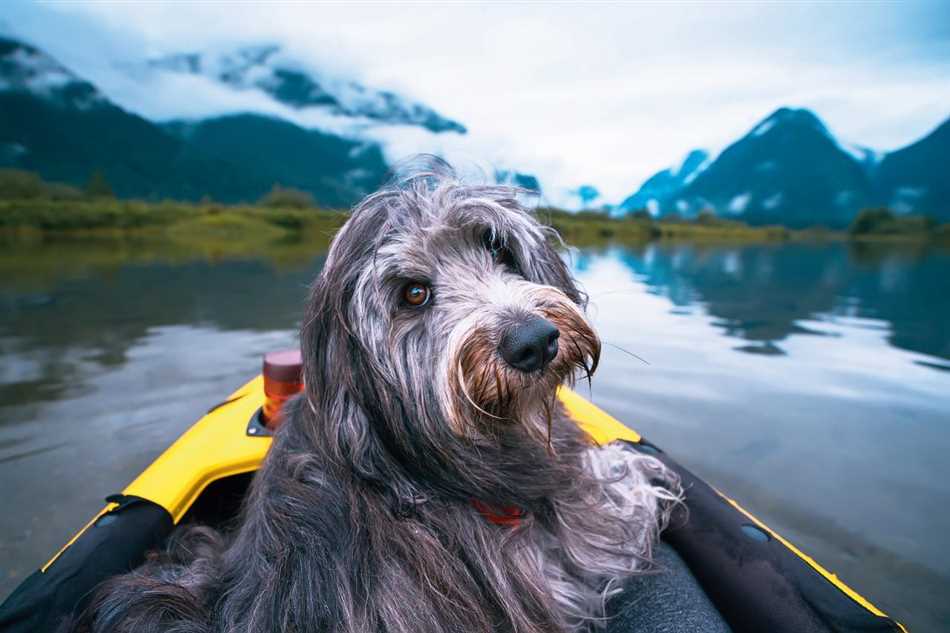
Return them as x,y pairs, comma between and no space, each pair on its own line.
595,93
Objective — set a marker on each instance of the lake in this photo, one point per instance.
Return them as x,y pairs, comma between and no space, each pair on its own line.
811,382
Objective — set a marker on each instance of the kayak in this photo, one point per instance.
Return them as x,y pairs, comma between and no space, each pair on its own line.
757,580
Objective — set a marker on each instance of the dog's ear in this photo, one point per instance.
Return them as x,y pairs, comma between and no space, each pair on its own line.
544,265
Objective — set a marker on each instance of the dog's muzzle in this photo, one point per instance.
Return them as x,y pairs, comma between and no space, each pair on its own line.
530,345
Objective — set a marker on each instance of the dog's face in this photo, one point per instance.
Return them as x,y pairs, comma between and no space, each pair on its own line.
459,302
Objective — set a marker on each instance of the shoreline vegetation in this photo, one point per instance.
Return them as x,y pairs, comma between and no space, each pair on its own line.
34,210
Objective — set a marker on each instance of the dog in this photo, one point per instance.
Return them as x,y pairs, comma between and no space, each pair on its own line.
428,479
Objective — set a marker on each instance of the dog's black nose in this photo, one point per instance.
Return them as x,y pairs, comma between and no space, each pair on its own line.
530,345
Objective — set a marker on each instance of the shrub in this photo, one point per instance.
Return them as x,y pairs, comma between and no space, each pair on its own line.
870,221
16,184
287,198
882,221
98,186
61,191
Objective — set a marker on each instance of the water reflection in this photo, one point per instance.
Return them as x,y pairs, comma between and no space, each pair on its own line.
763,293
52,328
807,380
759,295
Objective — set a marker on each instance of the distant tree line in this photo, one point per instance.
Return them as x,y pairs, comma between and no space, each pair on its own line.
18,184
882,221
874,222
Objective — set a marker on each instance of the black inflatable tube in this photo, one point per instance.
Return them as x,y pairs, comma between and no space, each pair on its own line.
116,543
756,582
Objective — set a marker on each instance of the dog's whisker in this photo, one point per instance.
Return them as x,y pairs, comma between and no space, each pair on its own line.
625,351
469,398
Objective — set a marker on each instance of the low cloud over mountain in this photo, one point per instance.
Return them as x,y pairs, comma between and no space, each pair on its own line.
289,124
59,125
266,68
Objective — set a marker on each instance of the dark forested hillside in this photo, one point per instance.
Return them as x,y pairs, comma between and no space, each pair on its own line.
60,126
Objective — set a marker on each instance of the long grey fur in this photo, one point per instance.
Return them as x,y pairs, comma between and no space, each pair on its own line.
361,519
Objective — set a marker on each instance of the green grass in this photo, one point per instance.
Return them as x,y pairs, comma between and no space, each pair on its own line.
226,228
588,228
724,230
177,220
30,208
196,222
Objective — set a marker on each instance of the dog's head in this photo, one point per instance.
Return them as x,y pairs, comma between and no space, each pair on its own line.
443,308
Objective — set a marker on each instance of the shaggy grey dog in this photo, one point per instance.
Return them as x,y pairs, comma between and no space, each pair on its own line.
428,479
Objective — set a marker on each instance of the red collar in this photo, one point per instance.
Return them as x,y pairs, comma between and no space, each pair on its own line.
507,516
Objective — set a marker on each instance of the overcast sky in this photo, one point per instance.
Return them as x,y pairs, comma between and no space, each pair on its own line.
605,94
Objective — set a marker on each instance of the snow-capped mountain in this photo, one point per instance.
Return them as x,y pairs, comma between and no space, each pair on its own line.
268,69
790,169
56,123
655,194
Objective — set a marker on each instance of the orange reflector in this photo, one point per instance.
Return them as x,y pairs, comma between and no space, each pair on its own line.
283,378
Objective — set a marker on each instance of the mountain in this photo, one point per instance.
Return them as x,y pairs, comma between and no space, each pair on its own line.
789,169
59,125
915,179
657,192
268,69
336,170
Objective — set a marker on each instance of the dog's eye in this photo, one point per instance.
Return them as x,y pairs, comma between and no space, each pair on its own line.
416,294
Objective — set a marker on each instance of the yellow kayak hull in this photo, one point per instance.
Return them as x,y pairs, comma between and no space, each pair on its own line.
224,443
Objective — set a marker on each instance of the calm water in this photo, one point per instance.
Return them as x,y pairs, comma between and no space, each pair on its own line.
812,383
